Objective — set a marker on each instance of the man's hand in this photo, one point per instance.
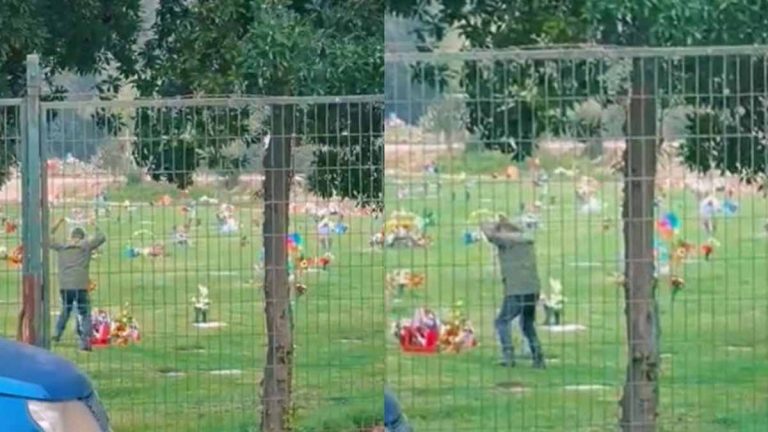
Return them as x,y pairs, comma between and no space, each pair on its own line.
98,237
57,225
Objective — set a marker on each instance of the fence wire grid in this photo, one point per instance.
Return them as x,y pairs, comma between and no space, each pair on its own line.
541,138
177,187
394,207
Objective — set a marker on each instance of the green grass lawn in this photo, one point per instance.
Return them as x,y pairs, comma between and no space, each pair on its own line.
714,337
340,356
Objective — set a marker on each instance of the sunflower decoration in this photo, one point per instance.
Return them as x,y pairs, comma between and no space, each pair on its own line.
16,256
401,220
683,251
304,264
457,333
125,329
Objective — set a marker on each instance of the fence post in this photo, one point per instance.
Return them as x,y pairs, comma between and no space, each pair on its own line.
31,319
276,384
640,398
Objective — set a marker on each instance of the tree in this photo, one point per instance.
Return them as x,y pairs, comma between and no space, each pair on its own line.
97,37
114,158
281,48
189,54
287,48
721,124
445,118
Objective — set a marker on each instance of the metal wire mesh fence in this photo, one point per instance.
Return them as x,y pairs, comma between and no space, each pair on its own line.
176,292
605,206
10,213
631,266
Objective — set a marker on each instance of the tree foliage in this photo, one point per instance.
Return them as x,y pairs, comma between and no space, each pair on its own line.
88,37
722,92
283,48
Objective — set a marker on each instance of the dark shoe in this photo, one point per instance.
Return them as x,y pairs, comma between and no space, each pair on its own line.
56,339
538,363
507,363
86,349
507,360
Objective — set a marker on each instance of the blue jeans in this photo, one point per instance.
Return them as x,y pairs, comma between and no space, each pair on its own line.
518,305
70,298
394,420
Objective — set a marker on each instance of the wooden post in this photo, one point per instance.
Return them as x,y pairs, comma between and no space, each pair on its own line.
276,384
31,320
639,402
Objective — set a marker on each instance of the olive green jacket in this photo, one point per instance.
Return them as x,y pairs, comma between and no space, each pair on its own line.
75,260
517,259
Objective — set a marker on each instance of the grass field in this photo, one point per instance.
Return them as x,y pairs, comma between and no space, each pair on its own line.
714,337
339,356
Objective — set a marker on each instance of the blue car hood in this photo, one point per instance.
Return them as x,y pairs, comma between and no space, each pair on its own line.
33,373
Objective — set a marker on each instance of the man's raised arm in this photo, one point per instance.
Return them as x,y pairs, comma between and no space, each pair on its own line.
55,242
98,238
505,234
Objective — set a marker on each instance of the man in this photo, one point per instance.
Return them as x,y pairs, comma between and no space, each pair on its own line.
517,259
74,262
394,419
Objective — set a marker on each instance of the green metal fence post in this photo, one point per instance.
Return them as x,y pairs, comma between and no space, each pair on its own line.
32,320
45,229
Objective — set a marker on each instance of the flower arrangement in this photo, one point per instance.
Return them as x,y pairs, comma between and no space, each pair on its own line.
401,279
125,329
419,334
425,333
122,330
457,334
15,256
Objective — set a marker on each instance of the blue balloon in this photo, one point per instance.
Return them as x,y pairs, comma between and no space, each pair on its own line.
340,228
672,220
295,238
469,238
730,208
